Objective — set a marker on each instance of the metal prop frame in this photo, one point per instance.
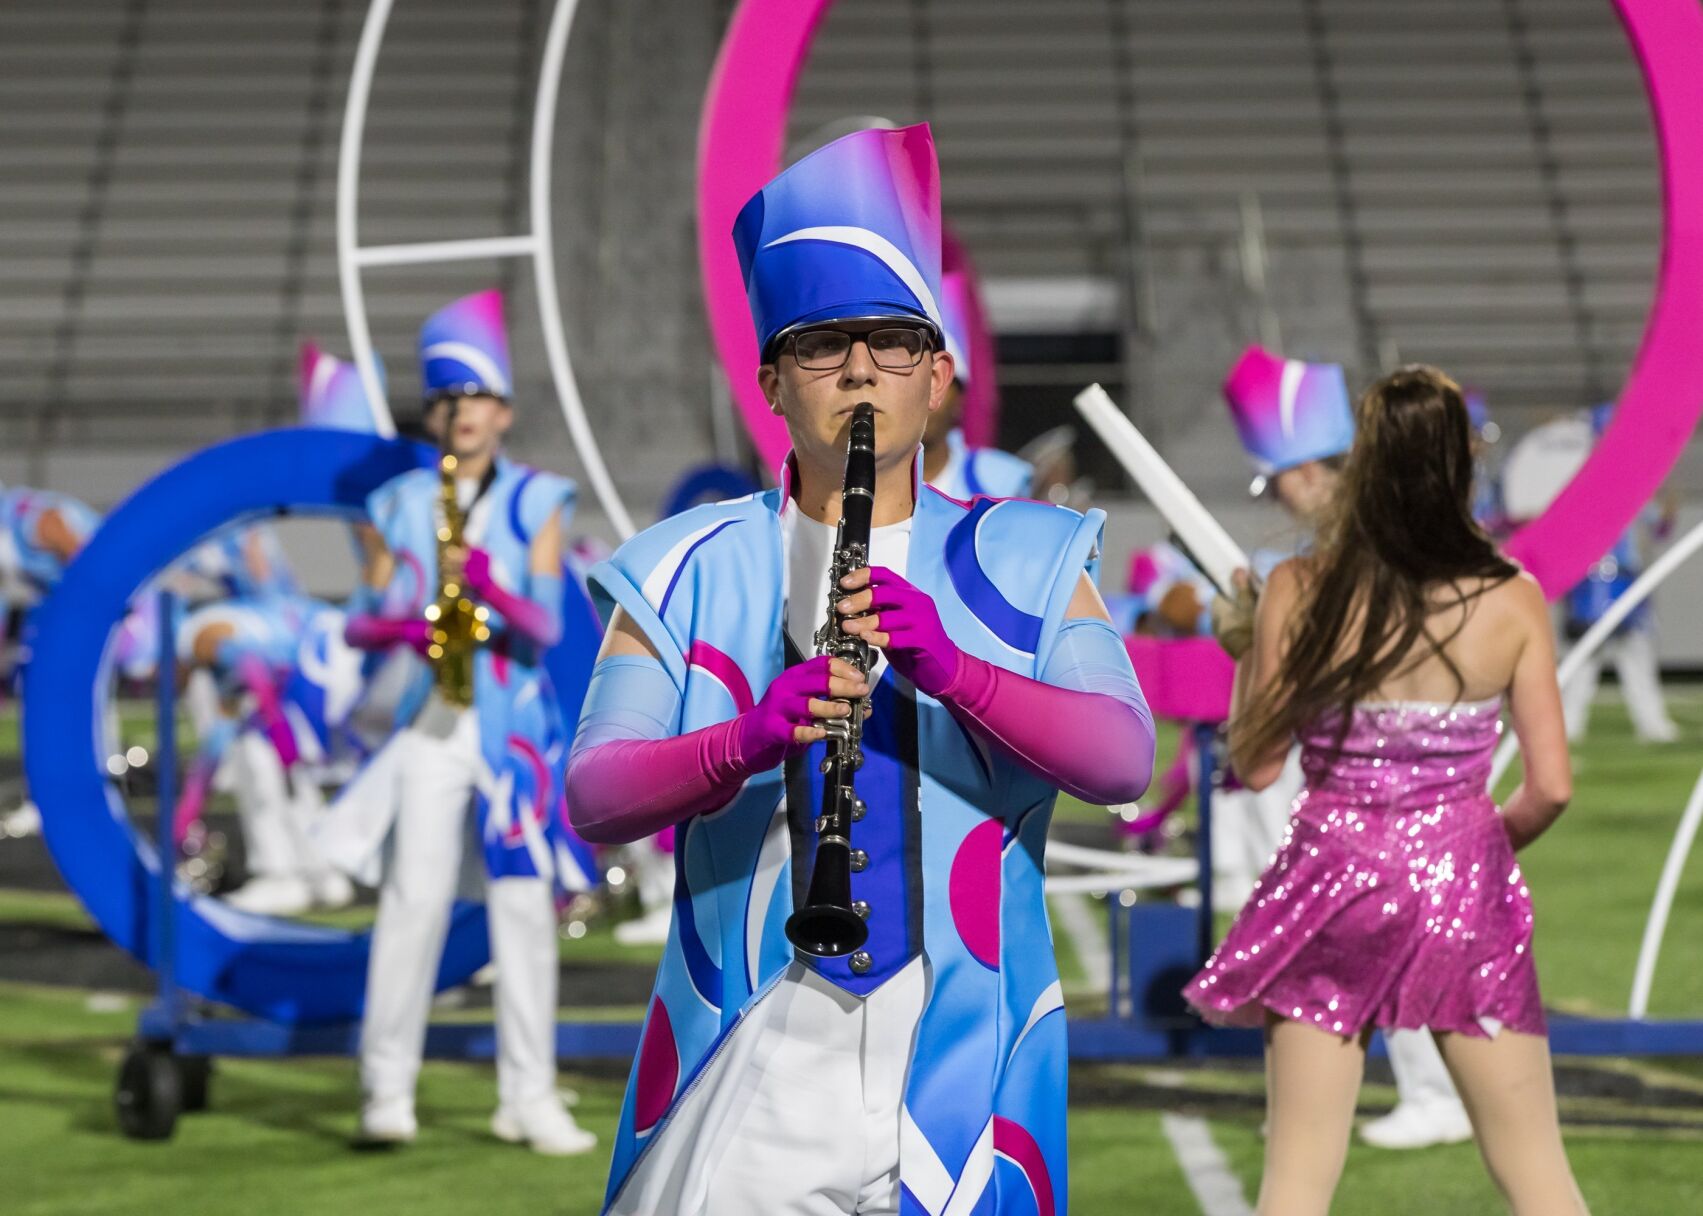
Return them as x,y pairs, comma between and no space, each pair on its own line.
538,245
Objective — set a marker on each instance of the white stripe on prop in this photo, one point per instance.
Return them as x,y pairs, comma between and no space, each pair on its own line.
1216,1188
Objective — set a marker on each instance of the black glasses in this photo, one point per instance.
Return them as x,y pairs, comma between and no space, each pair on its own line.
825,350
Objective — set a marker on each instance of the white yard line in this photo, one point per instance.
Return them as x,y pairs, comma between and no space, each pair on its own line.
1216,1187
1079,917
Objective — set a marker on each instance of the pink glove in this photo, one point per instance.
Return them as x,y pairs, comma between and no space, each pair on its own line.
192,801
268,708
628,789
903,623
542,622
381,633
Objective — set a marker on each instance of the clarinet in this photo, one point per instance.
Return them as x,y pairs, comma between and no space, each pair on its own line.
827,926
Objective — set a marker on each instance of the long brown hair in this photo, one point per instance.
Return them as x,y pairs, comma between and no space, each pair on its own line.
1399,528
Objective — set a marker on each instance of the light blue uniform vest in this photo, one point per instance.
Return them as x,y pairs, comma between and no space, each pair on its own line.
982,472
986,1090
520,800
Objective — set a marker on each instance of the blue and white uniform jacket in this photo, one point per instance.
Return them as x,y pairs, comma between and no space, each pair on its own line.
981,472
519,798
955,836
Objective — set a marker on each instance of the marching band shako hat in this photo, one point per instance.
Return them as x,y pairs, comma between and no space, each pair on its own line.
464,349
851,232
329,392
1288,412
955,318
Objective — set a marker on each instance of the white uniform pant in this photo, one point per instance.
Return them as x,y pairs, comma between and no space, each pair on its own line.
799,1114
438,772
1247,828
1634,656
277,812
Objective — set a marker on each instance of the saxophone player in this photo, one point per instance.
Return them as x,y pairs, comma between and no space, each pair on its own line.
931,1058
481,733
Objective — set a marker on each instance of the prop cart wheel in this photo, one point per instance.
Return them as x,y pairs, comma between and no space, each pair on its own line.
196,1075
150,1093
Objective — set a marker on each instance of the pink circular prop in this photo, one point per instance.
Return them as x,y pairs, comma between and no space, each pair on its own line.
1660,405
739,149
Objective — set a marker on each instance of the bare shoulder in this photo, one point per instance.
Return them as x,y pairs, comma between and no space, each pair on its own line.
1287,578
1520,597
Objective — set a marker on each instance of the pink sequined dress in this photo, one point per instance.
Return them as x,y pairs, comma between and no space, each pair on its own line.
1395,899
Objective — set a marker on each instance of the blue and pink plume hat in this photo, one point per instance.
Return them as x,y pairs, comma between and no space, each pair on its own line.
850,232
464,350
329,392
1288,412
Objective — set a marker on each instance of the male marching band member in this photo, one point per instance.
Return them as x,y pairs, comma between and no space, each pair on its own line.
926,1066
487,734
1633,646
1296,422
948,463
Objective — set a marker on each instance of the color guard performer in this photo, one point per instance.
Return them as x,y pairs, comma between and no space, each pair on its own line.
1296,422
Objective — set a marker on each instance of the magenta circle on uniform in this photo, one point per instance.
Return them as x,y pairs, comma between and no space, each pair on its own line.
1012,1141
972,891
659,1069
739,149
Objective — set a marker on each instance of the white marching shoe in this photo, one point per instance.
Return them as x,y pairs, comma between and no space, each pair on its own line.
1419,1125
273,895
651,929
544,1126
332,890
388,1121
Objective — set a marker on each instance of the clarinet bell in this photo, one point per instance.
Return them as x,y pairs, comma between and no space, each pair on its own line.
826,931
826,926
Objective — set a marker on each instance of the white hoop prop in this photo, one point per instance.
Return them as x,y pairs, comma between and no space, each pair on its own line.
1598,634
539,244
1644,976
1115,871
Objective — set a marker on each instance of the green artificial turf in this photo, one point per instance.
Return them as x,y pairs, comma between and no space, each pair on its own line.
277,1137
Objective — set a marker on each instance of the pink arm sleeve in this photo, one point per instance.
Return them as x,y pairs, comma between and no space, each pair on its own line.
524,614
627,789
1097,745
381,633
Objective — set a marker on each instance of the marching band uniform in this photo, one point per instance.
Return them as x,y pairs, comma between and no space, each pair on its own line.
1287,413
285,666
926,1072
971,472
1633,646
503,754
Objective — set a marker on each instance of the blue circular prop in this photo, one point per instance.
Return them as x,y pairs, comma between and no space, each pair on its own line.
279,970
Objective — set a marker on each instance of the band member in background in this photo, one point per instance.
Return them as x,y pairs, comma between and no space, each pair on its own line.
500,754
1296,422
930,1061
1632,649
948,463
1389,650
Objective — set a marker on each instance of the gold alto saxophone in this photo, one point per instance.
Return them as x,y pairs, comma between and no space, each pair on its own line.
459,626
